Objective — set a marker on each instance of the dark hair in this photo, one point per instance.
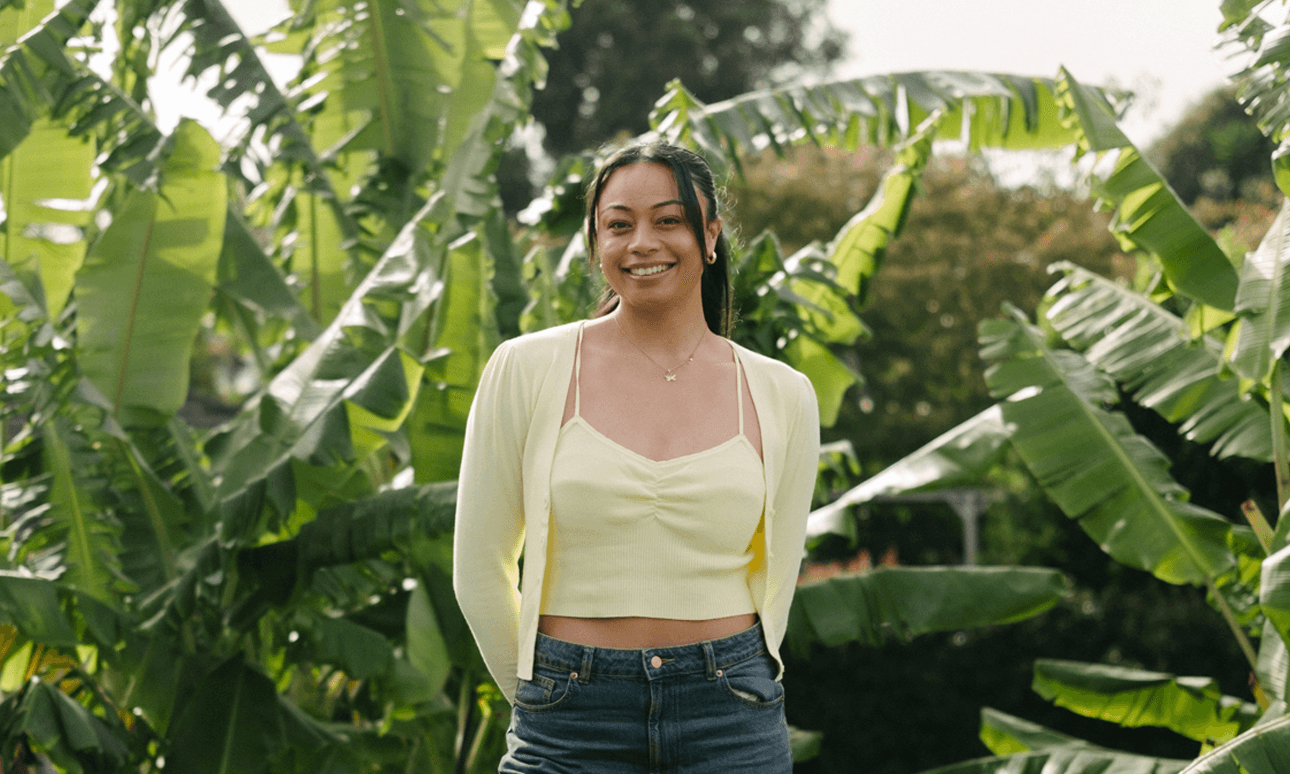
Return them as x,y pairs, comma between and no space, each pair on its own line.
691,172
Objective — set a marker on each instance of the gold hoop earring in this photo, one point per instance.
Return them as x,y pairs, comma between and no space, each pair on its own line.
711,259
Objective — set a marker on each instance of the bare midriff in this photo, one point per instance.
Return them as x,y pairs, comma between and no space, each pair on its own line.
641,632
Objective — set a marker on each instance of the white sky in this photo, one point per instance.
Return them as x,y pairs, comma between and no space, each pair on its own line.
1160,49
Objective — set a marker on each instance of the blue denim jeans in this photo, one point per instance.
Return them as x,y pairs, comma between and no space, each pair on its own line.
708,707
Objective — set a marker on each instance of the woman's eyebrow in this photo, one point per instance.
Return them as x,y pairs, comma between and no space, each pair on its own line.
625,208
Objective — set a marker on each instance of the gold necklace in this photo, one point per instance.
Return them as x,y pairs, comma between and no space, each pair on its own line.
668,373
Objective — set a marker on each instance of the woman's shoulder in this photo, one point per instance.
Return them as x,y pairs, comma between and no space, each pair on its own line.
540,346
777,372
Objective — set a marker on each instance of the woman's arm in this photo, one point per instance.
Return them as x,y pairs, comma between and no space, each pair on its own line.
792,505
489,532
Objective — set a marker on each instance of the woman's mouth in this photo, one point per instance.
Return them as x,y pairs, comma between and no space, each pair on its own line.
646,271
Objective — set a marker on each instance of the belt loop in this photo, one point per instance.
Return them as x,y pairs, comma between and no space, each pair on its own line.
584,676
709,661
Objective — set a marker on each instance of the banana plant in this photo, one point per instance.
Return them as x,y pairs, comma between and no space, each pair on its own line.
141,614
1202,344
909,111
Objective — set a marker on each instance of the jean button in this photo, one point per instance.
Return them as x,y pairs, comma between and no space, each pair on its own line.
656,662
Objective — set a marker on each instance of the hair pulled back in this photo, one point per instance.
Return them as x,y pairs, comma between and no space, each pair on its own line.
690,171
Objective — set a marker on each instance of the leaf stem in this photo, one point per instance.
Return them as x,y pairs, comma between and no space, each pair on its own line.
1262,530
1279,456
1242,640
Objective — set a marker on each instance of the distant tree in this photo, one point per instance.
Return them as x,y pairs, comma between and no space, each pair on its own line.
1216,151
968,246
613,63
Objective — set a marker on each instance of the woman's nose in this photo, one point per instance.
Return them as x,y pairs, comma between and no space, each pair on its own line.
644,240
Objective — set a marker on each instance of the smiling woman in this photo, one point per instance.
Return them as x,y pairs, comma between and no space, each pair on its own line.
657,478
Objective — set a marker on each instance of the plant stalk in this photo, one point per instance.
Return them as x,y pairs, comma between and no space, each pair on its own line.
1230,616
1262,530
1279,454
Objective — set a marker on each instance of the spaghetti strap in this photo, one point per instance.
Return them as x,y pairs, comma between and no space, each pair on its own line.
577,374
739,388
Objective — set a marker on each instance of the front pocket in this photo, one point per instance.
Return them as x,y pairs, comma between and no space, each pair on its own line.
752,682
546,691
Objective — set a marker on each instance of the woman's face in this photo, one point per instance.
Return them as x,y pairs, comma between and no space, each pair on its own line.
645,244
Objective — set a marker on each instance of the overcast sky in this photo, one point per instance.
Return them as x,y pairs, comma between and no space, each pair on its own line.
1160,49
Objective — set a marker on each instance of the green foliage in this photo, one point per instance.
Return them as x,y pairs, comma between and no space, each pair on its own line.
606,72
1110,358
272,594
1192,706
1216,151
967,245
910,601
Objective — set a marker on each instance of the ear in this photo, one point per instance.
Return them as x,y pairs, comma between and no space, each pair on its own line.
711,232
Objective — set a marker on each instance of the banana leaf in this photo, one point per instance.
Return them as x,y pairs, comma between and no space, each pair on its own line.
249,279
44,184
426,648
908,110
1191,706
1147,213
217,43
905,602
147,282
1263,303
1263,86
307,410
462,325
71,734
986,110
1274,591
1093,465
34,69
32,605
1151,353
1264,749
93,565
1066,760
958,457
339,535
234,721
1008,734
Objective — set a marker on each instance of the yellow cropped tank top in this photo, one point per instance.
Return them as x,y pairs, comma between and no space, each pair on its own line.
632,536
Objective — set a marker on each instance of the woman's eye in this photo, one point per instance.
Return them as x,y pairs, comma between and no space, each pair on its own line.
617,224
669,220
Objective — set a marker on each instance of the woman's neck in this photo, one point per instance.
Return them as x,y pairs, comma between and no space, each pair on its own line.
667,333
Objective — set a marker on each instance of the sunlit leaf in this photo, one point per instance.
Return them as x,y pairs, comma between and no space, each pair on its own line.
44,183
147,282
1091,462
1007,734
1191,706
1066,760
960,456
1148,215
1263,301
1152,355
1264,749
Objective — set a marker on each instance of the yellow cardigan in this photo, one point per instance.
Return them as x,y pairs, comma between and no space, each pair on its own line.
504,502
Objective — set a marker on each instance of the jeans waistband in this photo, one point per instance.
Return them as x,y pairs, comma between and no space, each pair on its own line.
696,658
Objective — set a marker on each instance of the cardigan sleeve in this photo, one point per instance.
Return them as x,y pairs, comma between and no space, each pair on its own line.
792,506
489,531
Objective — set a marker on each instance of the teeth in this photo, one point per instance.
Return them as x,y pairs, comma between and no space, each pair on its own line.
648,271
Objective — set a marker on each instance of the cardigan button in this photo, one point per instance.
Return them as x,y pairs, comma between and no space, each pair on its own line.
656,662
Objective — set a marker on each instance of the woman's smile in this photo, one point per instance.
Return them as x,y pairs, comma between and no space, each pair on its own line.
648,271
